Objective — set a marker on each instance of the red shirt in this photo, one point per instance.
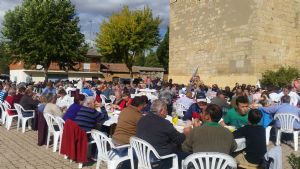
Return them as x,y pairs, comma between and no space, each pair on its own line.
10,100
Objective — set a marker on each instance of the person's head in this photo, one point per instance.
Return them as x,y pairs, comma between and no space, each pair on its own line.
287,89
221,94
126,95
43,99
213,113
62,92
242,104
89,102
118,95
51,98
11,92
139,102
285,99
49,84
28,92
254,116
79,99
159,108
189,95
21,90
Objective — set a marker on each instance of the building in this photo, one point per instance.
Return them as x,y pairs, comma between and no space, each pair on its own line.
232,40
92,69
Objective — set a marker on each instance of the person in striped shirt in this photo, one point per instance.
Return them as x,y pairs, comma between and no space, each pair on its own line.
88,117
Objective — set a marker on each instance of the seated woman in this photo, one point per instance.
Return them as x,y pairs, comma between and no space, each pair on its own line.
51,107
28,103
10,99
122,102
63,101
74,108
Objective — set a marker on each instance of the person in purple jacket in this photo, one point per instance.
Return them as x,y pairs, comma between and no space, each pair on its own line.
74,108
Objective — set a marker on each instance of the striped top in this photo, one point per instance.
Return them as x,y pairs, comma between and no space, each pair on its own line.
2,96
88,118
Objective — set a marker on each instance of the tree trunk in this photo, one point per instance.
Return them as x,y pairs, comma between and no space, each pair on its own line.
46,75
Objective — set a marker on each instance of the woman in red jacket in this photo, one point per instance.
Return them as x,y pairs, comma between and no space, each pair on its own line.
10,99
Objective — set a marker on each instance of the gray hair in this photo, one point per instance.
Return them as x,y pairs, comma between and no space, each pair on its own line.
157,106
87,101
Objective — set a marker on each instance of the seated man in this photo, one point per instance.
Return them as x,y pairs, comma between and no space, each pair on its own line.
285,107
255,136
88,117
238,117
161,134
196,108
128,120
211,136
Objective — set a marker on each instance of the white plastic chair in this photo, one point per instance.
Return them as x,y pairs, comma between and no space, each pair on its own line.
268,131
8,118
60,122
143,150
104,146
50,120
209,160
286,121
103,99
3,114
19,110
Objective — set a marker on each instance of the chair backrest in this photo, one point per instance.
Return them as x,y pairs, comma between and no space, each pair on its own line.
50,119
60,122
104,144
103,98
112,98
209,160
19,110
286,121
143,151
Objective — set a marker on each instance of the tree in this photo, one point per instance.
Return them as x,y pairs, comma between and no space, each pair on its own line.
127,33
4,59
152,61
279,78
163,51
40,32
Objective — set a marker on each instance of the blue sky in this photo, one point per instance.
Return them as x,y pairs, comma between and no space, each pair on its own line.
93,12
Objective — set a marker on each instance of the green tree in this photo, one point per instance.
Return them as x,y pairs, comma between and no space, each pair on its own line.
151,60
127,33
41,32
163,51
281,77
4,59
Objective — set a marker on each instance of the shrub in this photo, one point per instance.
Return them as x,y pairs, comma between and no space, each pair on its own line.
279,78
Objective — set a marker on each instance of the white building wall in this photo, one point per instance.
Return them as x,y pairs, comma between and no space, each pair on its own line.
18,75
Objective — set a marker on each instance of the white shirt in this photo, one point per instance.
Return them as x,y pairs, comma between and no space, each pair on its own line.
66,101
185,101
294,97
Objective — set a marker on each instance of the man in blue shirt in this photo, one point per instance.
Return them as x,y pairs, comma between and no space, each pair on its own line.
198,107
285,107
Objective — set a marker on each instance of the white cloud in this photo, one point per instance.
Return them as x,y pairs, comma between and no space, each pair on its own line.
93,12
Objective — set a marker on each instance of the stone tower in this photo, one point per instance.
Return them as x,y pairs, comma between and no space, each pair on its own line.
232,40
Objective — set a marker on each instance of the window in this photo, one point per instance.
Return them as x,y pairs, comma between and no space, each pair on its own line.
86,67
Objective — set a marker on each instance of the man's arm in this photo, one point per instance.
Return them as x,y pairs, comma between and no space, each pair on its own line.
271,109
188,114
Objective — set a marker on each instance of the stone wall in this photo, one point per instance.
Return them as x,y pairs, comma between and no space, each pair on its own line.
232,40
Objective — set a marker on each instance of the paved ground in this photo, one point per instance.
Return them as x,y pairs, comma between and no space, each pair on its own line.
18,150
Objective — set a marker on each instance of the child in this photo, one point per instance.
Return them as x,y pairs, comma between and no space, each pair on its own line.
255,136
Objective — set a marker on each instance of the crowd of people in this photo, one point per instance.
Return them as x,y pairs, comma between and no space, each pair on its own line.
207,109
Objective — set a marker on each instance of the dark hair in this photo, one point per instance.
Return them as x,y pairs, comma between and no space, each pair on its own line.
215,112
126,93
22,89
285,99
138,101
242,99
254,116
78,98
62,91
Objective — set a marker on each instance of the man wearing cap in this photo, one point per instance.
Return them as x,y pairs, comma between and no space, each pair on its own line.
196,108
186,100
220,100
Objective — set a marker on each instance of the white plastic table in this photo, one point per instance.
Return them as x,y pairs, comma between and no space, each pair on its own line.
241,144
